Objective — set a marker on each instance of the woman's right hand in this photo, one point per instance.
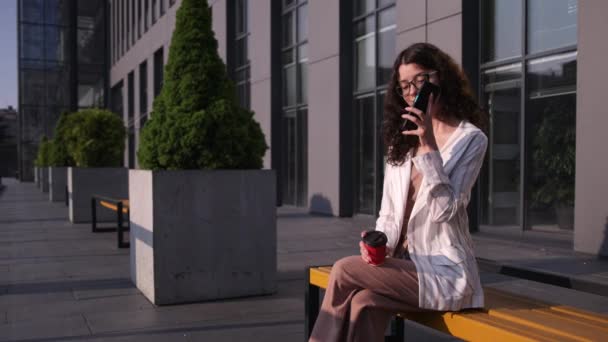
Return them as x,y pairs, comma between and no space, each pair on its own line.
364,253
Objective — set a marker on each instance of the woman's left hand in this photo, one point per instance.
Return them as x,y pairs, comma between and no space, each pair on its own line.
425,127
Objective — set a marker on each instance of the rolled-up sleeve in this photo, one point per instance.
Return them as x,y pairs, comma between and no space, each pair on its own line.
450,194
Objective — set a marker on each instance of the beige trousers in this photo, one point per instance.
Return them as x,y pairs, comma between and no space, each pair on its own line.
361,299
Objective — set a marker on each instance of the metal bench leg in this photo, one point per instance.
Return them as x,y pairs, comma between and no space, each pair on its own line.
397,333
311,303
93,215
119,222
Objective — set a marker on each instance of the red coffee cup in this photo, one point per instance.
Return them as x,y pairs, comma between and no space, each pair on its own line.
375,244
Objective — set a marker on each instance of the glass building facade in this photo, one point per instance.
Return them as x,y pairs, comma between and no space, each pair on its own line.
62,67
294,118
528,85
374,48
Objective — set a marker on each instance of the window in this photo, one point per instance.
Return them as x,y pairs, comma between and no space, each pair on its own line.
131,147
159,67
139,18
154,3
130,97
529,89
501,34
241,58
134,36
127,18
374,42
294,169
143,88
146,14
551,24
117,98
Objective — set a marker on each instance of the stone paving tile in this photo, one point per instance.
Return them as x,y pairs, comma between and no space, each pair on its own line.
55,328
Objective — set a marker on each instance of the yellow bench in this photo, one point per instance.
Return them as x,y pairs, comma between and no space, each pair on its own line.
506,317
121,207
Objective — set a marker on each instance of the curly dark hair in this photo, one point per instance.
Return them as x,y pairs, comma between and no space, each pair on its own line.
457,98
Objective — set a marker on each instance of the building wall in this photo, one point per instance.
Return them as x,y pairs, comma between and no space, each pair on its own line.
591,187
143,49
324,107
434,21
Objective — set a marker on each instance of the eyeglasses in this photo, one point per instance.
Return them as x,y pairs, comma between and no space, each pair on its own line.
417,82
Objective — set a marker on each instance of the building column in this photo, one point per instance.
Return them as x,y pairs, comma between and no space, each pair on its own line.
591,186
324,107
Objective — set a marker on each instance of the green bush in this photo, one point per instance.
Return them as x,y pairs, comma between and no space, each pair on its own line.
196,122
58,153
95,138
42,158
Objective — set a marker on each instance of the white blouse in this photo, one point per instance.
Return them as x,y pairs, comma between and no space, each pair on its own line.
438,236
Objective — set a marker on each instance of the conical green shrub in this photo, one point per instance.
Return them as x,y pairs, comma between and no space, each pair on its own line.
196,122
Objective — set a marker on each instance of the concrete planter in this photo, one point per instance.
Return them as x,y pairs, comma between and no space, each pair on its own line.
86,182
58,180
44,179
203,235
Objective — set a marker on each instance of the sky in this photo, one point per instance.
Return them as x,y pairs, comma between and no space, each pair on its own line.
8,58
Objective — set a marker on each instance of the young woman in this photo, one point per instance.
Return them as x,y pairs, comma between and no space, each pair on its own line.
428,178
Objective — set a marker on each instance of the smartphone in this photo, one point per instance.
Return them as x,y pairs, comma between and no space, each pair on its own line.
420,102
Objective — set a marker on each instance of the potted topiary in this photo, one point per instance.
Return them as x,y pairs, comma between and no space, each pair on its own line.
59,160
42,163
554,154
203,214
95,140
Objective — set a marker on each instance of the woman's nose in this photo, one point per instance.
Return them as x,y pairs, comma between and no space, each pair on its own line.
412,91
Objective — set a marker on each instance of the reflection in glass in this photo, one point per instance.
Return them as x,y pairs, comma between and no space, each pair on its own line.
363,7
551,24
302,23
57,12
500,180
90,93
551,136
56,44
31,11
501,29
143,87
366,62
386,45
289,90
288,29
32,41
295,158
303,83
241,17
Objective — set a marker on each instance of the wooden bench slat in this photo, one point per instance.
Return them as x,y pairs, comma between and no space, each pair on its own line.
506,317
114,207
501,302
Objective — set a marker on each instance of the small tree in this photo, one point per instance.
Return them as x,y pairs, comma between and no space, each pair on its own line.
196,122
58,154
42,158
95,138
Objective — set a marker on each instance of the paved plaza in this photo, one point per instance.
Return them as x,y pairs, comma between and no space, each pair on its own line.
60,282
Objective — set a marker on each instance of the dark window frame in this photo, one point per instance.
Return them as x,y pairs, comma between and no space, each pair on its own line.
524,59
143,88
377,91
